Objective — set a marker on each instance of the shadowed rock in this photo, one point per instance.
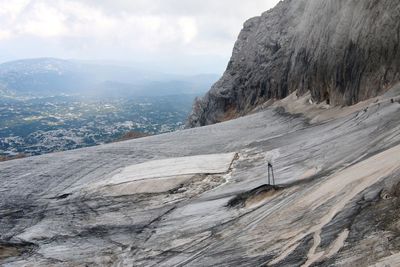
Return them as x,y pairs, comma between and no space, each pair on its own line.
254,196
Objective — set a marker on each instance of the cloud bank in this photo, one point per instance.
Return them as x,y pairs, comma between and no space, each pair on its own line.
192,35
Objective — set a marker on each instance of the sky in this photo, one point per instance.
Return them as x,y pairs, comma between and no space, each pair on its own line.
176,36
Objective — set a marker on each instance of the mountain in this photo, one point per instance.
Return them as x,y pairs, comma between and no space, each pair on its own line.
342,52
50,76
303,178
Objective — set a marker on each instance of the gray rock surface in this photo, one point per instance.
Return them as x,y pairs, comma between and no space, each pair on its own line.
342,51
335,203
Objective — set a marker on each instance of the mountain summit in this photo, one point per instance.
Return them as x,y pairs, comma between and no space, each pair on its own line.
342,52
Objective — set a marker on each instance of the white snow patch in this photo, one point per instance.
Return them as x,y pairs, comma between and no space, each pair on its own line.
162,175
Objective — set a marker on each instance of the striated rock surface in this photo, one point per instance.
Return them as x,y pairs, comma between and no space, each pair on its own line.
198,197
342,51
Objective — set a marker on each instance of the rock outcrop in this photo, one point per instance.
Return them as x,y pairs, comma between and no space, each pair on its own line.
342,51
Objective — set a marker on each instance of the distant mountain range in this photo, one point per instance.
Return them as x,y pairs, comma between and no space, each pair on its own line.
51,76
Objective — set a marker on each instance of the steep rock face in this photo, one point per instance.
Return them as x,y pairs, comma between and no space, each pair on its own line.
342,51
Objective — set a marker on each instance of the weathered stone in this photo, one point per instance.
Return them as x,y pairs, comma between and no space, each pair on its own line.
342,51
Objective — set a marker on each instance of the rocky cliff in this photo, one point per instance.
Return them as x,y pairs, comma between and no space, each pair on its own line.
342,51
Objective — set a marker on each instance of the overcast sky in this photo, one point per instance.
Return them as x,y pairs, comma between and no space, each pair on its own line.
190,36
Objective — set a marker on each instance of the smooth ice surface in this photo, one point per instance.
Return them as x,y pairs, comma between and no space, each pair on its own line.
162,200
163,175
213,163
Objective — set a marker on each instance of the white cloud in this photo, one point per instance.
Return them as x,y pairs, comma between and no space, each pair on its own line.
124,29
188,28
42,21
4,35
13,8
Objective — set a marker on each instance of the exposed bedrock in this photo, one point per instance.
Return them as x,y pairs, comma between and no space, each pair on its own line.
342,51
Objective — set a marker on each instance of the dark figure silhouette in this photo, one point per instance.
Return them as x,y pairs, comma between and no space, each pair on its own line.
271,174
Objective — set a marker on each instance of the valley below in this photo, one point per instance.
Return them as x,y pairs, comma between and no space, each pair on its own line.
51,105
41,125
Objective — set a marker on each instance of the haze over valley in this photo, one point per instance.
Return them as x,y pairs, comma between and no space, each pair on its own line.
50,105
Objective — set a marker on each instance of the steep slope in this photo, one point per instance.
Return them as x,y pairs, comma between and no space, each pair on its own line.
198,197
342,51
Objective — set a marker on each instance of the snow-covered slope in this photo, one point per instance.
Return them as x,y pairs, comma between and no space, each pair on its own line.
336,202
